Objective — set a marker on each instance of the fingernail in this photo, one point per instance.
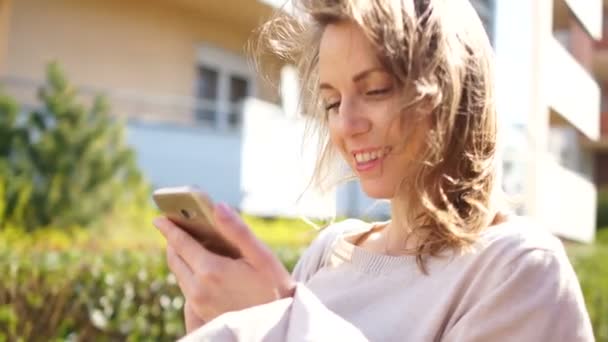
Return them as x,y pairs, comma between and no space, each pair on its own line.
224,211
157,222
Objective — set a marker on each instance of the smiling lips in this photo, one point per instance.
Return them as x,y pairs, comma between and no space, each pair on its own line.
368,159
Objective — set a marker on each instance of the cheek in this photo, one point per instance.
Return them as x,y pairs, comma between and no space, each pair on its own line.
397,131
407,137
407,123
336,139
386,119
334,136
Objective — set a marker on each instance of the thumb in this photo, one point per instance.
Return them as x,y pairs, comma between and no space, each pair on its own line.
232,227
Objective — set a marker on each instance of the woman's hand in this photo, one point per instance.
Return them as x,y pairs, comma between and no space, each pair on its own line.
213,284
191,318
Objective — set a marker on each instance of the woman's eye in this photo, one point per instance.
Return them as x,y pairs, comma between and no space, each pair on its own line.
378,91
331,106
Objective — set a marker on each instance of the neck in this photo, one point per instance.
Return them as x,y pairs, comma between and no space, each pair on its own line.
398,235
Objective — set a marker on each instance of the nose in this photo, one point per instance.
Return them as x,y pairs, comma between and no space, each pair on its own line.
352,120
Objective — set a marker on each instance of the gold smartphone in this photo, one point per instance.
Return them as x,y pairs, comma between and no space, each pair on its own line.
192,210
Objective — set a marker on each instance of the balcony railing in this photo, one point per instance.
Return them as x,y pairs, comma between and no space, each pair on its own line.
572,91
576,203
139,107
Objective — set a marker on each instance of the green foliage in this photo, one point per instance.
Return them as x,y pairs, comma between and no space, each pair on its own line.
287,237
103,284
590,264
113,283
76,295
63,164
282,232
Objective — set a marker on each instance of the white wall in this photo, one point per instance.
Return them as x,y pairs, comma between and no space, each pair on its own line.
277,166
516,79
264,170
535,75
589,13
569,207
172,155
571,91
278,162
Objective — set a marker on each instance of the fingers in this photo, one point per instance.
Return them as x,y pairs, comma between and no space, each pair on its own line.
183,273
232,227
195,256
256,253
191,318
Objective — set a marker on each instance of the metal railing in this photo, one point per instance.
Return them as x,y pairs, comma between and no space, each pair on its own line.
135,106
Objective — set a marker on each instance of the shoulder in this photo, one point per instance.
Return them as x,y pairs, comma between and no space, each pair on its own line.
345,227
519,272
524,257
517,238
313,257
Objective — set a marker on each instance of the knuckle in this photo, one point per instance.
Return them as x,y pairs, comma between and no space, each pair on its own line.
170,254
171,257
211,278
171,260
242,232
266,257
179,239
199,298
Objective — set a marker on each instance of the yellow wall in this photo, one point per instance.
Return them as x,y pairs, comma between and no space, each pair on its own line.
5,8
145,46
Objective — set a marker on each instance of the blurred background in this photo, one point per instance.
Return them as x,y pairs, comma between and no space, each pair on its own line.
102,101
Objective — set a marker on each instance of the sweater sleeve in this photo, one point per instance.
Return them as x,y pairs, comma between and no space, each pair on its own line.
300,318
535,297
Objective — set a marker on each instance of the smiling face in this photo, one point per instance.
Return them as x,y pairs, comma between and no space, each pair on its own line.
362,99
367,61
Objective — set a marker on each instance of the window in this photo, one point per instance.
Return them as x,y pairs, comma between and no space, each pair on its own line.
223,82
207,93
238,91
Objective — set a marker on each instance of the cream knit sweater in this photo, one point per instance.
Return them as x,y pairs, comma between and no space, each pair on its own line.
516,285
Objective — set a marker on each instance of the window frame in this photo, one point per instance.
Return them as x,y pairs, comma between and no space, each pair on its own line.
227,64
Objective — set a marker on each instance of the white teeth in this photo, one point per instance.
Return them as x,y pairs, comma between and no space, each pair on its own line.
367,156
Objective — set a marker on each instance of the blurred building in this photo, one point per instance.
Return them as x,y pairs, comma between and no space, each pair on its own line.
197,113
177,71
600,69
549,77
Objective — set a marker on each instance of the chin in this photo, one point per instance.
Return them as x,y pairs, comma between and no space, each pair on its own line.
377,191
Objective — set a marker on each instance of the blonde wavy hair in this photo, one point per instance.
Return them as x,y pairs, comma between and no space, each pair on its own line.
441,57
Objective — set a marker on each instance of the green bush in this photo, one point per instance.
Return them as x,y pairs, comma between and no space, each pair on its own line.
591,266
126,295
107,283
64,163
113,283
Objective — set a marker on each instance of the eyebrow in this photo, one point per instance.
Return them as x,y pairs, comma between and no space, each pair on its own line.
359,76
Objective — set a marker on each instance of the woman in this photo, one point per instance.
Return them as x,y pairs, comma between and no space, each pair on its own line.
403,91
